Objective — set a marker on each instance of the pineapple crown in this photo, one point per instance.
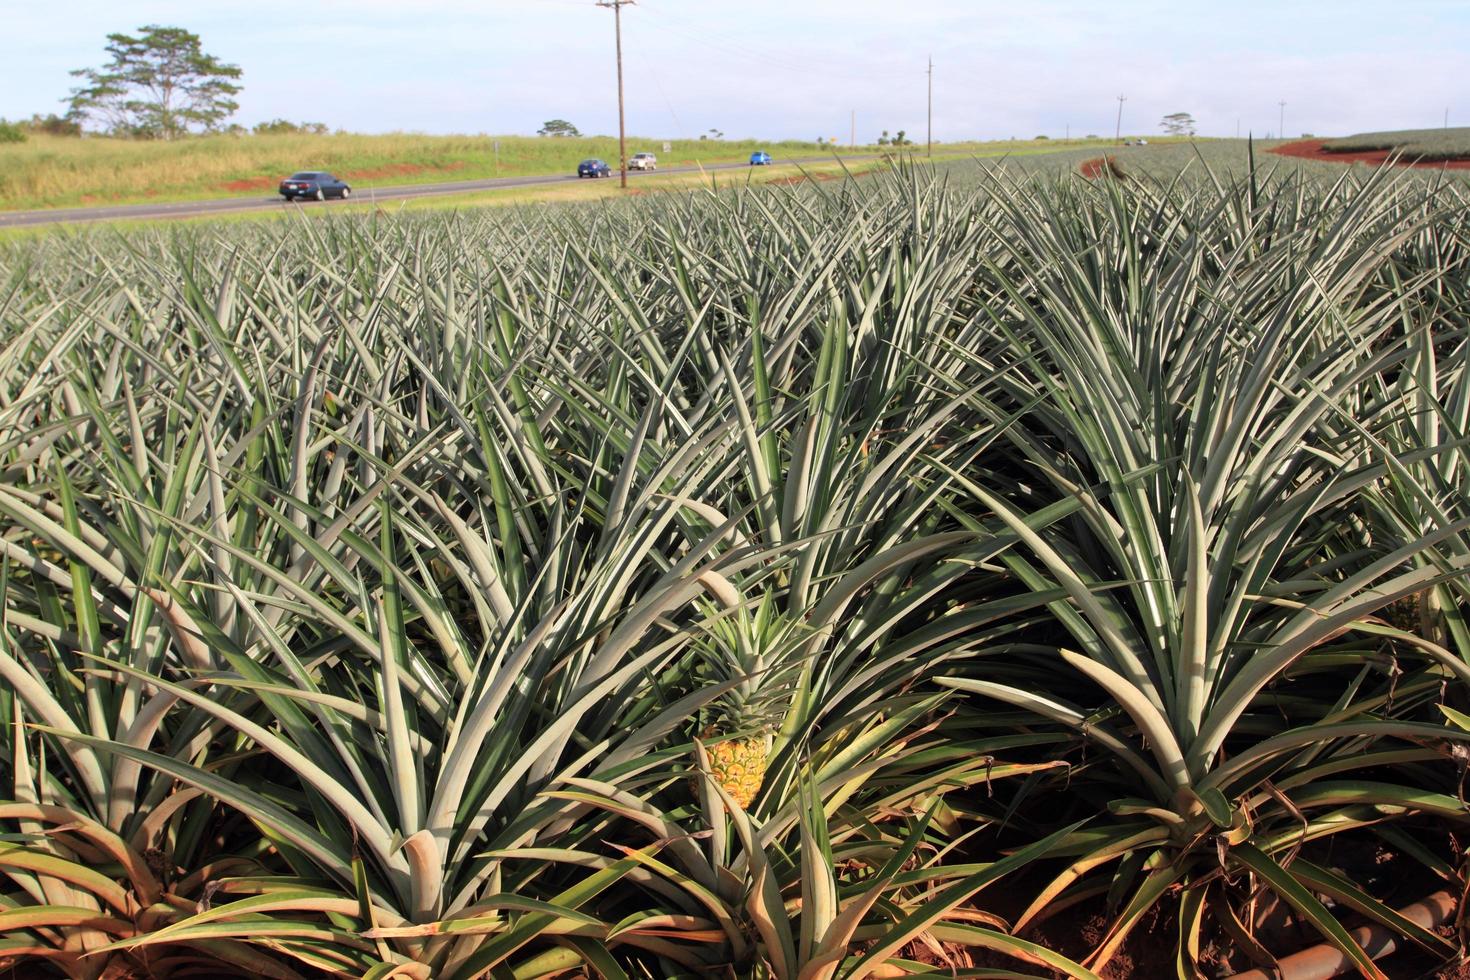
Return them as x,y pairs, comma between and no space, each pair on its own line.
759,648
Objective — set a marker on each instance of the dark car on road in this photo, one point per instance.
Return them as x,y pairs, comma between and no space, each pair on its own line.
593,168
318,185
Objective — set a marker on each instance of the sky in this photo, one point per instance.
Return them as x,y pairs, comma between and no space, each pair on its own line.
792,69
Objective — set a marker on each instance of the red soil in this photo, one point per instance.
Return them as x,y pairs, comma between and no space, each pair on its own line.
1094,168
391,170
252,184
1315,150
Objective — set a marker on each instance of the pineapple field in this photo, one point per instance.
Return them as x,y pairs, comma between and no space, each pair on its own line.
978,574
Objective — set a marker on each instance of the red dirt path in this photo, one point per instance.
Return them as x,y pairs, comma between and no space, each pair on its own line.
1097,166
1314,150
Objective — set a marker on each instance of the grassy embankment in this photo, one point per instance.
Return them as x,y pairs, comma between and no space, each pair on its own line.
63,172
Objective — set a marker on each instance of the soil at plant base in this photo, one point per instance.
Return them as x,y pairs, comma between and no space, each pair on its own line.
1148,951
1316,150
1460,971
1077,931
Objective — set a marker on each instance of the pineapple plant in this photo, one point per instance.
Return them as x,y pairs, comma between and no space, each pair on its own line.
757,651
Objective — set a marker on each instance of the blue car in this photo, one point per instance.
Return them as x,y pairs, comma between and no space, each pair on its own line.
593,168
760,158
318,185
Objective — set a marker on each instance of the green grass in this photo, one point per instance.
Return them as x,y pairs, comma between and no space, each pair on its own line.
48,171
1425,144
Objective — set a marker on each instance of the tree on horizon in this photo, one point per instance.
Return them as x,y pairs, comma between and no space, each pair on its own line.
159,84
1178,124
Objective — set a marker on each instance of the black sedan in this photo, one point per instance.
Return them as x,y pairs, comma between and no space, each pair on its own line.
317,185
593,168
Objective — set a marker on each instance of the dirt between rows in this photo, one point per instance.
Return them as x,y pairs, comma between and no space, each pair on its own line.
1316,150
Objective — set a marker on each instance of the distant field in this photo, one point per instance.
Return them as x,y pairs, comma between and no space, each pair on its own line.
1426,144
60,172
1224,158
1161,161
1158,161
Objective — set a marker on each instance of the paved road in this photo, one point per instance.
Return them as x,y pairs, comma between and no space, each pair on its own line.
360,195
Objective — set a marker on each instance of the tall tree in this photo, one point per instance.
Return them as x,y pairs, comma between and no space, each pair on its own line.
1178,124
157,85
557,127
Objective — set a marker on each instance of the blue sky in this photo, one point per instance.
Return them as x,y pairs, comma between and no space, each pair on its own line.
793,68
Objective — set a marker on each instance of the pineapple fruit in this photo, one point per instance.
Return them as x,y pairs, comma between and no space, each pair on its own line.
1404,613
758,649
739,764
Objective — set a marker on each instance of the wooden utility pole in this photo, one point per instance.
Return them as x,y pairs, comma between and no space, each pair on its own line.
1118,131
617,9
929,148
1281,122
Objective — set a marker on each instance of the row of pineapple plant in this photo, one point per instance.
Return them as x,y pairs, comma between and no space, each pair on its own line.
734,583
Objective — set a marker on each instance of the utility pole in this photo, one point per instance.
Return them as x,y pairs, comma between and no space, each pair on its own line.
1281,122
1118,132
929,148
617,9
1069,131
1447,119
852,131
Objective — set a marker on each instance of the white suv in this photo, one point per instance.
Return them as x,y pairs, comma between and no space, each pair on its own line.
643,161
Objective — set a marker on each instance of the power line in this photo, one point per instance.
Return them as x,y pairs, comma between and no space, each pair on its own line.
658,83
617,9
929,143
